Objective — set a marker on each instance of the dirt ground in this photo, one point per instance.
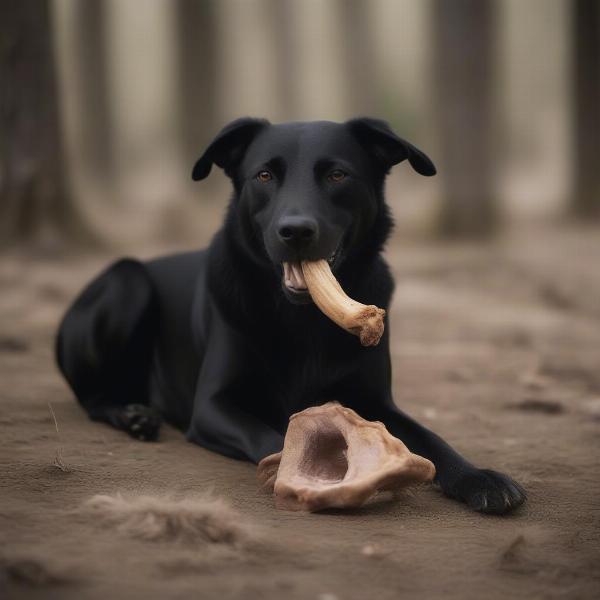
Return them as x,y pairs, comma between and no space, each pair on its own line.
496,347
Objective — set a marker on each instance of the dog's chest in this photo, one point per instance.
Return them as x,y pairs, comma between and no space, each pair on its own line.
311,377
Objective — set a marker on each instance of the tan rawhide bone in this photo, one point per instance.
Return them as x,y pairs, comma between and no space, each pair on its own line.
365,321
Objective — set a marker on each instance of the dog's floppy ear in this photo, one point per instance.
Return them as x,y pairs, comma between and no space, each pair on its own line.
227,149
387,148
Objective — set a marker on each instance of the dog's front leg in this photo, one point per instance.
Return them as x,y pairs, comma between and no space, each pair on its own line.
219,424
482,489
228,387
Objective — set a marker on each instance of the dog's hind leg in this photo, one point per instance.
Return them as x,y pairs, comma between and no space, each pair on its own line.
104,348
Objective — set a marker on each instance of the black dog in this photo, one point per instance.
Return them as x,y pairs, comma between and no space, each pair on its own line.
225,343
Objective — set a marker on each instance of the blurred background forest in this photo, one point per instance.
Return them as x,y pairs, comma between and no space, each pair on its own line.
106,104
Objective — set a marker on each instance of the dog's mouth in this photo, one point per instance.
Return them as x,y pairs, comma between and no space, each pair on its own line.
293,282
293,277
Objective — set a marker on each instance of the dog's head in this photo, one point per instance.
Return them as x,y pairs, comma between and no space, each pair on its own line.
307,191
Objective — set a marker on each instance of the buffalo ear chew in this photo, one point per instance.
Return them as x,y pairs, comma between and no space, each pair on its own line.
364,321
333,458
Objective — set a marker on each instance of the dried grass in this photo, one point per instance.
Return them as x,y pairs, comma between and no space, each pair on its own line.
208,520
58,462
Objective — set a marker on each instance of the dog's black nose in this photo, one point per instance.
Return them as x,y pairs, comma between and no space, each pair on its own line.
297,231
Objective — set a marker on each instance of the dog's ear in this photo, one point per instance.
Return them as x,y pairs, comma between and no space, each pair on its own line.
387,148
227,149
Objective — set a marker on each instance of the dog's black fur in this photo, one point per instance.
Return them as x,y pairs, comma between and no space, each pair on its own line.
216,344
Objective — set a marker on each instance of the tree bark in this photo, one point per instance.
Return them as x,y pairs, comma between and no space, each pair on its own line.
464,73
359,62
35,200
196,44
284,34
586,108
92,63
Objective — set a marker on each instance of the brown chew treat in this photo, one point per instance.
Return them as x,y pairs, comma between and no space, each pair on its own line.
359,319
333,458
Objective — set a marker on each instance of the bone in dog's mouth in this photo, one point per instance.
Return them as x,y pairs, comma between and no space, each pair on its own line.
293,277
315,280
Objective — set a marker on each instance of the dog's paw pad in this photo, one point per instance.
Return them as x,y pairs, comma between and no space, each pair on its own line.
141,422
488,492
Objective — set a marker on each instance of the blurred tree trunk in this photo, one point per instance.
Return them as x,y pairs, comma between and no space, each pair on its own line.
284,32
464,74
35,200
92,66
359,62
586,108
196,44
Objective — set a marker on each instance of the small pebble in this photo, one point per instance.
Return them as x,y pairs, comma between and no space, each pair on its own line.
535,381
430,413
373,550
592,407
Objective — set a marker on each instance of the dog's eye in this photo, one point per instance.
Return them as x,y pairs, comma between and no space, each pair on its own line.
336,176
264,176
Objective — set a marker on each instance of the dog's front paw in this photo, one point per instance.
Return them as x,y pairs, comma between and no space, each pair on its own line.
487,491
140,421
